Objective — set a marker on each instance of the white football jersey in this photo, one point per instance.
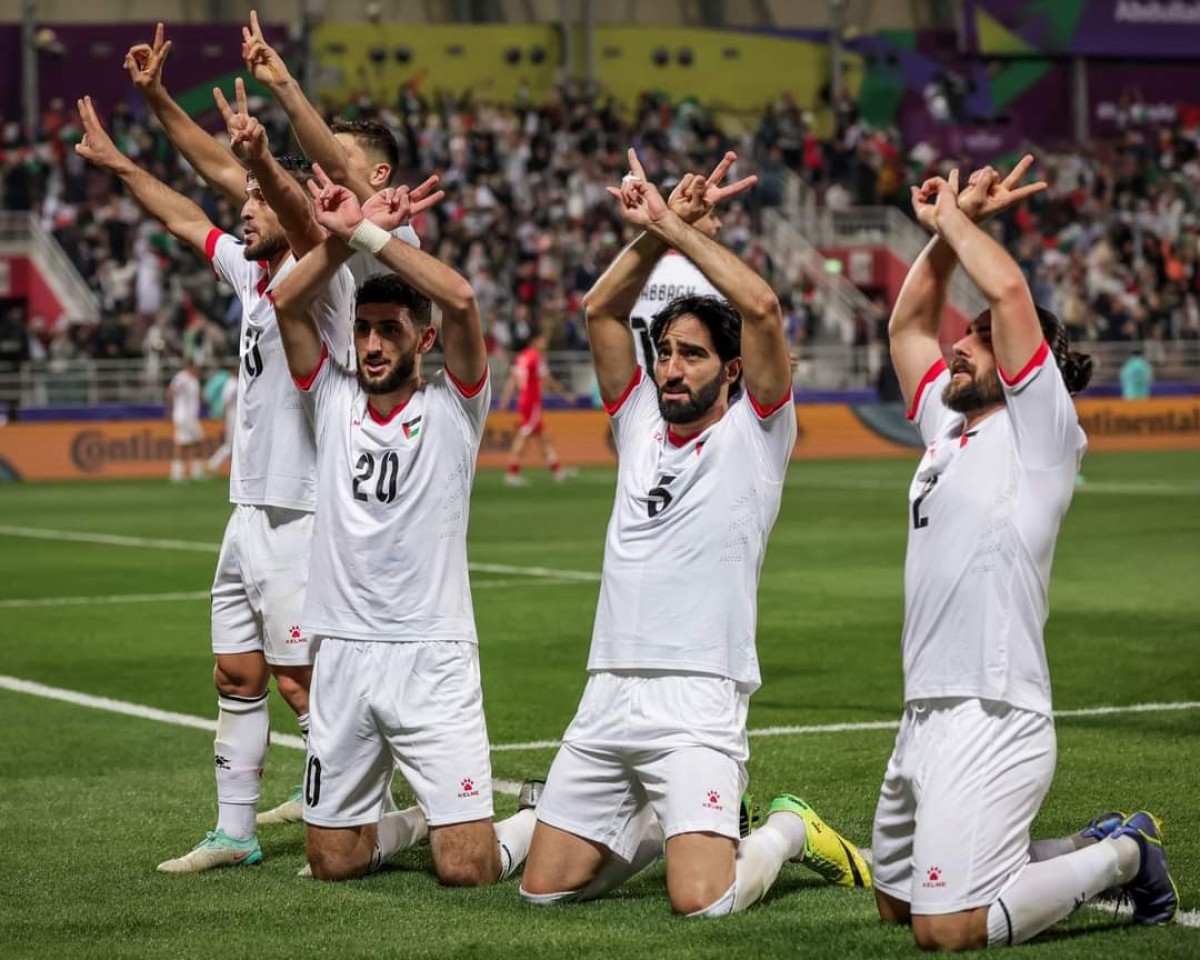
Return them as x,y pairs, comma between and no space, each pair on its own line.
364,264
984,512
389,552
229,392
675,276
274,455
685,544
185,397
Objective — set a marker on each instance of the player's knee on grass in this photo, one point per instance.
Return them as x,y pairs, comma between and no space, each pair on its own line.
241,674
339,854
293,684
892,910
700,871
951,932
465,854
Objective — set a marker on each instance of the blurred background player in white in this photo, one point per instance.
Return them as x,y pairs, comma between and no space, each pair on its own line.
360,154
396,679
183,400
976,750
658,746
221,392
526,381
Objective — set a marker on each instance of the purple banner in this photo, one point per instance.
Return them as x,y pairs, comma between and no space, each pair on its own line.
1102,28
1142,96
74,59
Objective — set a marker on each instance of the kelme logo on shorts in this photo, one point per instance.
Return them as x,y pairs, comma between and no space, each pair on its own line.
468,789
934,878
712,801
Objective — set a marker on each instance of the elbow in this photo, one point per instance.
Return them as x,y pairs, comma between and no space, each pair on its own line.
764,310
461,299
1010,288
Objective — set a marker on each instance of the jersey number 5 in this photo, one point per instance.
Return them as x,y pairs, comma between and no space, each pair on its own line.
659,497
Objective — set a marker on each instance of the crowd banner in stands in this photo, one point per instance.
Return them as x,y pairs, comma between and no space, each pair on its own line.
1088,28
142,448
726,69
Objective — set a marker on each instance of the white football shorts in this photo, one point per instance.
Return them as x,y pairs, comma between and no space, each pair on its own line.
188,432
258,590
675,742
965,780
418,706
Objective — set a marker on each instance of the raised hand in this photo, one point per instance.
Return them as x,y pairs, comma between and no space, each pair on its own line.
394,206
262,60
640,202
695,196
247,137
96,146
145,63
923,209
945,208
986,194
335,207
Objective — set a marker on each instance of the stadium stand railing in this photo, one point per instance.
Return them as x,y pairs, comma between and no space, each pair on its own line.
21,234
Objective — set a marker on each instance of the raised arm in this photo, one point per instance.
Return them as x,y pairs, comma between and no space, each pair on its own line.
1016,332
612,299
293,300
920,306
177,213
282,192
213,162
312,133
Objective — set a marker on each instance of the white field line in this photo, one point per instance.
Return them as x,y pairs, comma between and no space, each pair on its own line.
17,685
197,546
114,598
889,724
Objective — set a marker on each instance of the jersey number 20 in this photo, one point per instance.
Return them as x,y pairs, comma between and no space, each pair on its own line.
385,485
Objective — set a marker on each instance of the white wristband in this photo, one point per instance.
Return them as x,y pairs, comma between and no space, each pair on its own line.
369,238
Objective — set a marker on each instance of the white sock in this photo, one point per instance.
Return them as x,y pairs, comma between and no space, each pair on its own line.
791,828
721,907
514,836
177,470
1044,893
759,859
616,871
1041,850
239,751
197,469
303,721
398,831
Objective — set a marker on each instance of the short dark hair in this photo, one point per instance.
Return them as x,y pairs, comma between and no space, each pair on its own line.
389,288
724,324
1076,367
374,138
299,167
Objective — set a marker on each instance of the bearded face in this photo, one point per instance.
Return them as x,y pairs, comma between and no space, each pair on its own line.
970,389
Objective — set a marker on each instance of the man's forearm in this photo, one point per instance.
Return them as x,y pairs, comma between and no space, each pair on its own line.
287,199
315,138
616,293
445,286
990,267
311,275
922,298
213,162
183,218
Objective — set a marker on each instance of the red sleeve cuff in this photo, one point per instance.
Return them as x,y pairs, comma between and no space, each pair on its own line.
764,412
612,409
469,392
1038,358
930,375
210,243
305,383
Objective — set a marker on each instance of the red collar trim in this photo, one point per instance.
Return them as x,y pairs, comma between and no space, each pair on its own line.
676,440
380,418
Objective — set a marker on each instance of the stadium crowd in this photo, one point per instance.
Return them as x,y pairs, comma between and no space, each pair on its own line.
1110,247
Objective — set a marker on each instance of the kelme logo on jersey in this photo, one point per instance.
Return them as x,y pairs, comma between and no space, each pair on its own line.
411,428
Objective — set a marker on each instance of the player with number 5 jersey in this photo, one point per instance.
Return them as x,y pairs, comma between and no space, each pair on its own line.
656,754
396,679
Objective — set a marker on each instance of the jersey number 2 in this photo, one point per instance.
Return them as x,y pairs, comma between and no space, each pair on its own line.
920,522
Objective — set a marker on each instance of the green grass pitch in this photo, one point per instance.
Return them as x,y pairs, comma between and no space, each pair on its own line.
91,800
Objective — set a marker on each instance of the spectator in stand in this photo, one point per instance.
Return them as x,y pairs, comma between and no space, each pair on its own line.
1136,377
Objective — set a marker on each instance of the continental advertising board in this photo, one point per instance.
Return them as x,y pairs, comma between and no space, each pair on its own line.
142,448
